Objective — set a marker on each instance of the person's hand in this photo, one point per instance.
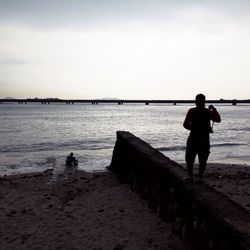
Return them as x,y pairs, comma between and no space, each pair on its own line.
211,107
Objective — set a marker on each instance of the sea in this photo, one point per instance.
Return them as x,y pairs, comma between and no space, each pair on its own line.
34,137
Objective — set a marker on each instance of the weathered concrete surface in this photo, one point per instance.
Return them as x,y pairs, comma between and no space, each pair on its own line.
203,216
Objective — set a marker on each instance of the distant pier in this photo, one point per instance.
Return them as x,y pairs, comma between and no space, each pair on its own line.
119,101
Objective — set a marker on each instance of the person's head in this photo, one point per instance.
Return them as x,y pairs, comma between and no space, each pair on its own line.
71,154
200,100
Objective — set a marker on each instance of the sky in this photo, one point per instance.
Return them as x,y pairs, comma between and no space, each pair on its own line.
126,49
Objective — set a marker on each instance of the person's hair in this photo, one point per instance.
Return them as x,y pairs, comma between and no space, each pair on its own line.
71,154
200,100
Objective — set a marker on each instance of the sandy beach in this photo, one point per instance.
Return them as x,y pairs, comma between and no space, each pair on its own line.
230,179
86,211
95,211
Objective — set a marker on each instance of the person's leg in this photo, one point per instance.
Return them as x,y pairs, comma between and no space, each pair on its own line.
190,166
203,157
190,157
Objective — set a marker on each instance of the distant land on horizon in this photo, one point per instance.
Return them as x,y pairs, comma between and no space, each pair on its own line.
106,98
55,98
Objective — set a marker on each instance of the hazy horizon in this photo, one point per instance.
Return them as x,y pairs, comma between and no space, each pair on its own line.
150,49
114,98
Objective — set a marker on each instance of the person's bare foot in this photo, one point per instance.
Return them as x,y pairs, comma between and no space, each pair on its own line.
199,180
188,179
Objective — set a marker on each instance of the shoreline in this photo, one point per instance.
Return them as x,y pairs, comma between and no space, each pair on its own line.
229,178
227,161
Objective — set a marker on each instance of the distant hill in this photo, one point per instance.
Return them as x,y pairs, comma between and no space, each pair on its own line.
45,99
9,98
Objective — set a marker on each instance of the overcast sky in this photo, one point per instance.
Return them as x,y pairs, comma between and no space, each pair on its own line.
134,49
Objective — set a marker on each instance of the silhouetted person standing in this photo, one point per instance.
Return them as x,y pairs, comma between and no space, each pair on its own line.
198,122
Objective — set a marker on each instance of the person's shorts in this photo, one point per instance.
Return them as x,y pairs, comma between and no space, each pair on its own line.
197,147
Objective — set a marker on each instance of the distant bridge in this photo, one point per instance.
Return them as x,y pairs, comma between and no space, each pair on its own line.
120,101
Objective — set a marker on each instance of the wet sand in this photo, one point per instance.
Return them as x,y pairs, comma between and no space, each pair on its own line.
95,211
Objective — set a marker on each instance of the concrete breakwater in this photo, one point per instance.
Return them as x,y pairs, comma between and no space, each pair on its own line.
204,217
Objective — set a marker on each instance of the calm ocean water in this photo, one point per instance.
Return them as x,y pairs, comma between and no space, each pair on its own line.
34,137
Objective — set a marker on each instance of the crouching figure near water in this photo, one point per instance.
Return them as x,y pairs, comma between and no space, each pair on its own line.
71,160
198,143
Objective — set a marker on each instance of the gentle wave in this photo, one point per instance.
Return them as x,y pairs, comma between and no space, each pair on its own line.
49,146
228,144
86,145
246,129
172,148
181,148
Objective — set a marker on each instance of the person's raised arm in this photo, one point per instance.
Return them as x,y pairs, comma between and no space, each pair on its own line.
214,115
